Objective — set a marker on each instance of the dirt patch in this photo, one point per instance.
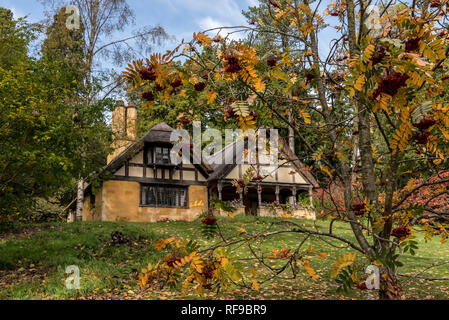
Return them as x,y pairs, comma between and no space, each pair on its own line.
26,232
11,278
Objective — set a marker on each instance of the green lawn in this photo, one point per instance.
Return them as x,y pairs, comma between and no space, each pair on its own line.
33,261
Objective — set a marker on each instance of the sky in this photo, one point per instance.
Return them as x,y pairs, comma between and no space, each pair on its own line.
180,18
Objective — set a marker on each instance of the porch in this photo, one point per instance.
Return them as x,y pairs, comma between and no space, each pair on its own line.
268,199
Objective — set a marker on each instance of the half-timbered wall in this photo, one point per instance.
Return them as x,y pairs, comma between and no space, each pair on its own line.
119,198
284,174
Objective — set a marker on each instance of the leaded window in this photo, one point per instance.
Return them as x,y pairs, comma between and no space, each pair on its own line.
162,155
164,196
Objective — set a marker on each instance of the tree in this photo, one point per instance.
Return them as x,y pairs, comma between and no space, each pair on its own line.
101,20
378,104
64,48
42,149
14,38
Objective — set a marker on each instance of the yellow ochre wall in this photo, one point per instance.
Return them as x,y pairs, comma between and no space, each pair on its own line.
119,201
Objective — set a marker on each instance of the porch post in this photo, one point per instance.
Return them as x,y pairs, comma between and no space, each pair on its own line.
277,193
259,194
311,196
220,188
294,198
241,195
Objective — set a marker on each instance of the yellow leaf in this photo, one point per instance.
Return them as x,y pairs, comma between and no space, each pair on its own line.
322,255
360,82
256,285
310,270
211,96
342,262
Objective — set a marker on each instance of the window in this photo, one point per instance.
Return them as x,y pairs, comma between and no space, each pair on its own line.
158,155
164,196
92,200
162,155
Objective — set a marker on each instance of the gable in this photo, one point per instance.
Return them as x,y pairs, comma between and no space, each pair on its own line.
283,174
135,167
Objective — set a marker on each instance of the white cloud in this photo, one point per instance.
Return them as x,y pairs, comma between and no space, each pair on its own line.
213,15
16,12
209,23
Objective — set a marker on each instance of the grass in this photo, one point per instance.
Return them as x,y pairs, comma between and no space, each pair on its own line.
33,263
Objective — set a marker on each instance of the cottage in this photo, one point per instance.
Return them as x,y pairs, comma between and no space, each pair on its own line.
146,187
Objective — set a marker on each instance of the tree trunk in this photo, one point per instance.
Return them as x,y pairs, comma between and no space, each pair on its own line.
390,288
79,200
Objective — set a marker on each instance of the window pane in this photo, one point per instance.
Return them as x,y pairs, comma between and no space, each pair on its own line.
164,196
183,198
158,155
150,156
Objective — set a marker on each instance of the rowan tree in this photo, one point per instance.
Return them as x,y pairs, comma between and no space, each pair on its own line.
377,100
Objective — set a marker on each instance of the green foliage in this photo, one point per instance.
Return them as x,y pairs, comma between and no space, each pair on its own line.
15,35
410,245
223,205
63,52
389,258
47,139
345,279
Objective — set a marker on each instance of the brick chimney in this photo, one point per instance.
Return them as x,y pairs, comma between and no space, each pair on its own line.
124,128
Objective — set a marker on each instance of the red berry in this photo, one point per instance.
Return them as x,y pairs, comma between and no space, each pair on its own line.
391,84
200,86
379,55
148,96
209,221
252,114
232,65
436,4
147,74
425,124
271,62
412,44
158,87
421,138
362,286
176,83
207,286
309,76
359,208
400,232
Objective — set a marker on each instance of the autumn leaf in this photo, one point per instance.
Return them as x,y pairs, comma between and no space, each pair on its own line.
255,284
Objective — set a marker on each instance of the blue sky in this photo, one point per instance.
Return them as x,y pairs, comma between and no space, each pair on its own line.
180,18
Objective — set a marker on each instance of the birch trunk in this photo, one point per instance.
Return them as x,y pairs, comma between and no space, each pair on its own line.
79,200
